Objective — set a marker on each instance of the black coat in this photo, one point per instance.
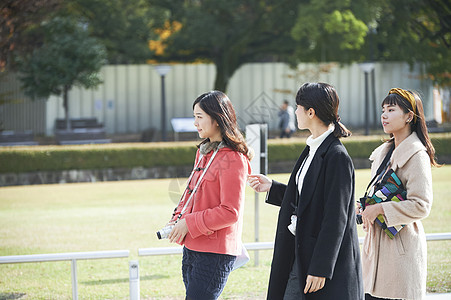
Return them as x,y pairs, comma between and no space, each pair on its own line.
326,235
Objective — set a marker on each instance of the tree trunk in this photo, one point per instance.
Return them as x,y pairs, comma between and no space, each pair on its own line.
225,67
66,107
221,80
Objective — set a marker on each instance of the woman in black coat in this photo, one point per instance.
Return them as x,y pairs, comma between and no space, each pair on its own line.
318,257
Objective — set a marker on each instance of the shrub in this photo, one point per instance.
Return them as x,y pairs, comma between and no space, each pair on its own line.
55,158
105,156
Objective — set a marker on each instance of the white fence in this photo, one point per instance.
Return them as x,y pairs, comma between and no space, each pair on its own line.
129,100
134,274
265,245
17,112
73,257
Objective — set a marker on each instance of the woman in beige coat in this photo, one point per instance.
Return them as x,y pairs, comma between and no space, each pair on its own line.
396,268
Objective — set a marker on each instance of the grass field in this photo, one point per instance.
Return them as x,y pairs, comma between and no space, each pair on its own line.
124,216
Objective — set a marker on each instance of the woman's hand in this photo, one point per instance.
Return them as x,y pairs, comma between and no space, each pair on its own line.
358,208
365,225
358,211
370,213
260,183
179,232
313,284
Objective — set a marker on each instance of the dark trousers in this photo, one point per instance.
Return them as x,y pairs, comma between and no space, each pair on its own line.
283,133
205,274
293,289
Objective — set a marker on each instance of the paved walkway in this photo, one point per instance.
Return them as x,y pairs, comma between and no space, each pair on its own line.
438,296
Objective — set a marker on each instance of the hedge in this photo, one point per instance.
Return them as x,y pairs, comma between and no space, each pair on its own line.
357,147
57,158
105,156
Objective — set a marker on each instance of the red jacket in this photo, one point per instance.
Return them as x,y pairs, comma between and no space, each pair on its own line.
215,213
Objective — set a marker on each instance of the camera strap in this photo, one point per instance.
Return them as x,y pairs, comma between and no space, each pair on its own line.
193,191
382,168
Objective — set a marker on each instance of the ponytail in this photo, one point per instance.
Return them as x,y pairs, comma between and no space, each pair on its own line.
323,98
340,129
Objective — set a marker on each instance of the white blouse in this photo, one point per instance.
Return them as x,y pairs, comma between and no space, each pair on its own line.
314,145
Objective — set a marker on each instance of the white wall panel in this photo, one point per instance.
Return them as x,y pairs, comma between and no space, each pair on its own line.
75,102
129,100
143,94
122,105
110,99
18,112
97,100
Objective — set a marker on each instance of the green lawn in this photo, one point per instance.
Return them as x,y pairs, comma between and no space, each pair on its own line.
124,216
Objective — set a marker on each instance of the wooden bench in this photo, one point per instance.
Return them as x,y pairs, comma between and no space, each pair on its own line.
82,131
60,124
17,138
433,127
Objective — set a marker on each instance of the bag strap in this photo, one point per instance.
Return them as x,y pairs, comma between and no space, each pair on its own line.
197,184
382,168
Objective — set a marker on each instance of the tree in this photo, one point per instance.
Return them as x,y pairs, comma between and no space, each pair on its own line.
331,30
123,26
416,31
16,17
228,33
67,57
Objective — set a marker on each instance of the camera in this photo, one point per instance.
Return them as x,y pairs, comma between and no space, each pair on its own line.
292,226
358,217
164,232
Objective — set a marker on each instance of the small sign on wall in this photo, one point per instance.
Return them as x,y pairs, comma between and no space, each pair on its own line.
98,105
110,104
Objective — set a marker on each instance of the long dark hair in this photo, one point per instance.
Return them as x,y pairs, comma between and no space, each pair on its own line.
323,98
218,106
417,124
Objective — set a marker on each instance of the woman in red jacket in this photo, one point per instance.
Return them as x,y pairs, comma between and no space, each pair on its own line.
210,223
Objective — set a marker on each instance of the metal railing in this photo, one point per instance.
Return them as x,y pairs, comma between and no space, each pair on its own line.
73,257
134,271
179,249
265,245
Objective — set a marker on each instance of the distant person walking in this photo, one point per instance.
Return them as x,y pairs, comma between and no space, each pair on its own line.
395,267
286,120
316,251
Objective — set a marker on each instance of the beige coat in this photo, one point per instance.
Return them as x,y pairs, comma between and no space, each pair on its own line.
397,268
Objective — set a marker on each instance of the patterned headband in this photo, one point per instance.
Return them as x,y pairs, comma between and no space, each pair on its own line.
409,97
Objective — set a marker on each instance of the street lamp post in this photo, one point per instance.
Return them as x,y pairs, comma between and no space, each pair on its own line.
367,68
162,71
